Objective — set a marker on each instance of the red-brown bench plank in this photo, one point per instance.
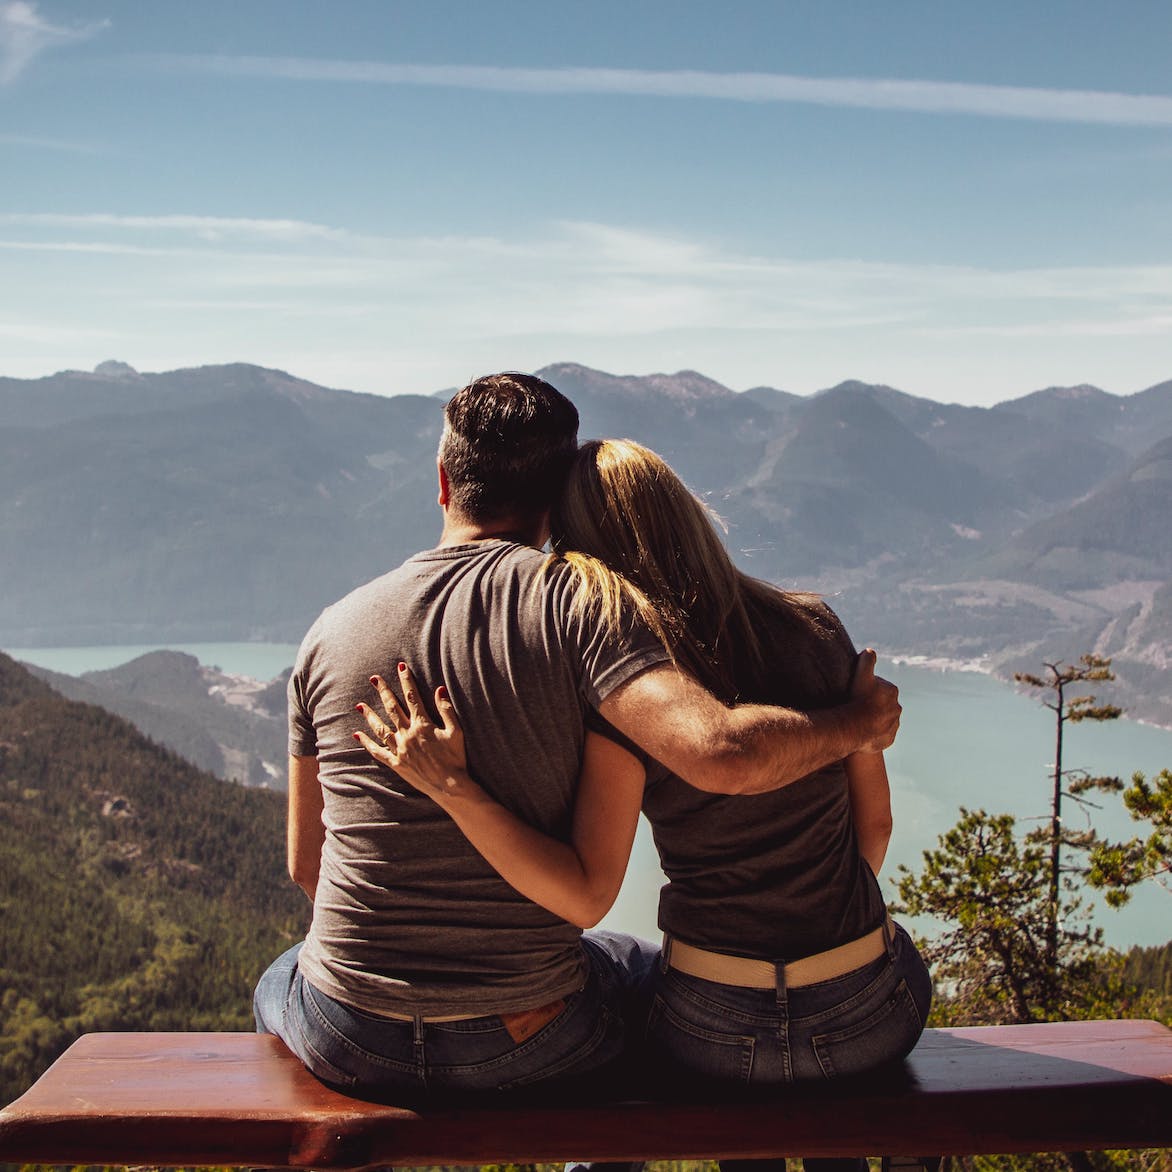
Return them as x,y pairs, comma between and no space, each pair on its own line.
192,1099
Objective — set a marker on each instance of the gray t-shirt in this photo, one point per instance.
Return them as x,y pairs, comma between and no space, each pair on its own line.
775,876
408,917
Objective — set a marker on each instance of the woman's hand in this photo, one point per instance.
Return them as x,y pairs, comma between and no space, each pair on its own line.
578,880
429,758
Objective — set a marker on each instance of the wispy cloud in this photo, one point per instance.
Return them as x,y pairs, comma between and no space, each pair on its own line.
933,97
1156,325
409,309
50,144
95,247
288,307
40,332
25,35
584,277
212,228
415,313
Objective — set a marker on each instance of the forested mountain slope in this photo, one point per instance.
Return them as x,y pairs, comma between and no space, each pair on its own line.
138,892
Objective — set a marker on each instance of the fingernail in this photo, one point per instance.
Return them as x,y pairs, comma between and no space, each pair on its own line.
374,680
402,666
360,707
443,692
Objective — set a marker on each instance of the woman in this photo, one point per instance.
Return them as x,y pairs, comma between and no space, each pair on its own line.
780,963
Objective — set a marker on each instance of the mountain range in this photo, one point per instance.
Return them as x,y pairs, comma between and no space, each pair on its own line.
233,502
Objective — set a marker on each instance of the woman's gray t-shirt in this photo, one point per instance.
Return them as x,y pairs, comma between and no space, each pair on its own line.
775,876
408,917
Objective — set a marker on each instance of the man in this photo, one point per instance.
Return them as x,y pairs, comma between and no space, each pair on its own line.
423,971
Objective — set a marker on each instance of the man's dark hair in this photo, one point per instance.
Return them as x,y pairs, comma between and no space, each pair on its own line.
507,446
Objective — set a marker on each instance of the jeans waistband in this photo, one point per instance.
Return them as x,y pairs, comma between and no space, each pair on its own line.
747,973
520,1024
431,1016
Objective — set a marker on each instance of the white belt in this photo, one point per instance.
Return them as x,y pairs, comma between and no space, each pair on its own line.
762,974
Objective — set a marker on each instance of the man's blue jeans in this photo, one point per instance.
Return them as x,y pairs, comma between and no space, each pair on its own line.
415,1059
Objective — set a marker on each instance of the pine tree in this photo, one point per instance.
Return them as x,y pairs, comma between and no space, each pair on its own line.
1069,710
995,958
1121,866
1017,943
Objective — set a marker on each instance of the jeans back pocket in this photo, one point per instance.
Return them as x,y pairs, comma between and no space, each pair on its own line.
886,1034
711,1048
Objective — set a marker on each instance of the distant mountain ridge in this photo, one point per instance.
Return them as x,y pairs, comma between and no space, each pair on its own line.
229,726
233,502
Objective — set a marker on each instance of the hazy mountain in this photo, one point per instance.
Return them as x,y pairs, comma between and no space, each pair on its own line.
1096,575
214,502
232,727
1070,408
771,397
708,433
1130,422
234,502
686,387
844,482
1119,531
115,388
1147,416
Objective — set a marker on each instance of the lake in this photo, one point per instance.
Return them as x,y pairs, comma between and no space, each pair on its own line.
965,739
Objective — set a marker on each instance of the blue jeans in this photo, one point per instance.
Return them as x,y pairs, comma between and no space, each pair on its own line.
414,1059
844,1026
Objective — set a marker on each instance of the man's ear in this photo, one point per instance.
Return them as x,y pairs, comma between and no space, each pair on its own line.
444,489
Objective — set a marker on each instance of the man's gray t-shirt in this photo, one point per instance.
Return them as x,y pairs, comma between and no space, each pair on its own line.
408,917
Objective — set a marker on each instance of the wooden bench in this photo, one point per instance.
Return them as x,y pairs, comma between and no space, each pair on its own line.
198,1099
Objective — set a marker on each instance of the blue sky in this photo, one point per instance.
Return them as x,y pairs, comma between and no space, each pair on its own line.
964,201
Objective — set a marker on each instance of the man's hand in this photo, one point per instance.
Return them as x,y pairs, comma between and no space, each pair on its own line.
877,702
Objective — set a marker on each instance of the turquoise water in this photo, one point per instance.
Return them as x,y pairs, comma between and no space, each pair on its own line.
965,739
968,739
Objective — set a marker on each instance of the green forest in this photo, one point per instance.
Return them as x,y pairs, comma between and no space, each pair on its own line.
138,892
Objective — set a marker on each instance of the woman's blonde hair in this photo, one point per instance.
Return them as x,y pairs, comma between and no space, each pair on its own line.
638,540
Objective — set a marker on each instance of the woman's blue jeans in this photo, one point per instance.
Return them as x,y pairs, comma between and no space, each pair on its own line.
415,1059
843,1026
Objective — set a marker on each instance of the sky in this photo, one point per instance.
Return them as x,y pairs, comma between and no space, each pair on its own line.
965,201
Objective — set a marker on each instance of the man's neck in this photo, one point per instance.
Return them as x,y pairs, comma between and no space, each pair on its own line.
460,530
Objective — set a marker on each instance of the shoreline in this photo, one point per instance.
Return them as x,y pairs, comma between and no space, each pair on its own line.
983,666
942,663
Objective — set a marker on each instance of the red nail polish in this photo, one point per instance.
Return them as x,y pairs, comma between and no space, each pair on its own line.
443,692
374,680
402,666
